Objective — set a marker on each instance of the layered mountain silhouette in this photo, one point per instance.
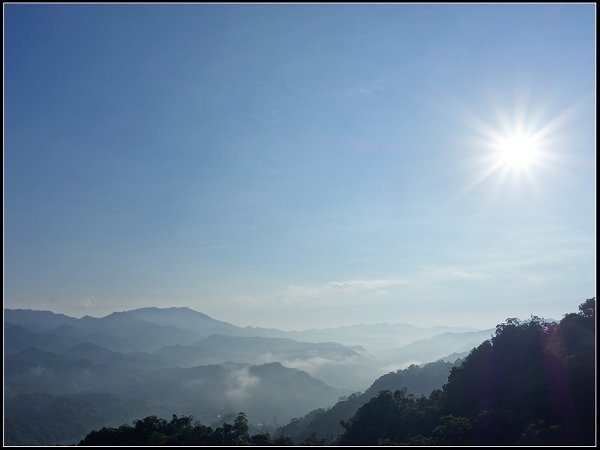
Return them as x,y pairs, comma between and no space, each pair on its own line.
176,360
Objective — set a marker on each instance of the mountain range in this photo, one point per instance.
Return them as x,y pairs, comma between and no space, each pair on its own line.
177,360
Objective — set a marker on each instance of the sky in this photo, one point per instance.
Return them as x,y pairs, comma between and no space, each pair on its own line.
301,166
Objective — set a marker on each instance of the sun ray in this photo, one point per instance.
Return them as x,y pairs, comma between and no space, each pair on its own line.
510,155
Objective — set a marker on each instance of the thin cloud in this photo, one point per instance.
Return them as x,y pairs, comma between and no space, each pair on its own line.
337,291
296,292
241,382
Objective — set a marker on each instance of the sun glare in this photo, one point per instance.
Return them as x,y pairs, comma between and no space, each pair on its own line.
517,151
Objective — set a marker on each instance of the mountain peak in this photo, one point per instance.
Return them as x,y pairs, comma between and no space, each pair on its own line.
171,309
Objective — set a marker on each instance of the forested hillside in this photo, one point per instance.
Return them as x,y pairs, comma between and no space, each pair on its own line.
532,383
326,423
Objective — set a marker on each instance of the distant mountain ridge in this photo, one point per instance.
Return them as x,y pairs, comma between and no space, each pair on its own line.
198,323
41,320
439,346
186,319
361,352
176,360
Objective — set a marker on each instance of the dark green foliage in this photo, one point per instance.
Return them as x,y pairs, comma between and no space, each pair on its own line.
313,439
533,383
452,431
261,439
395,416
578,334
283,440
529,372
540,433
152,430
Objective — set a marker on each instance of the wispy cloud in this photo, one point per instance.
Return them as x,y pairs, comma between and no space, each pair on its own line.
346,287
336,291
500,276
240,383
446,273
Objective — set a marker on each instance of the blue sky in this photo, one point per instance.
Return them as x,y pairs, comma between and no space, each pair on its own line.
300,166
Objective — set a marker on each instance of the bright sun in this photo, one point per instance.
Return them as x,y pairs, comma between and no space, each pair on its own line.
516,151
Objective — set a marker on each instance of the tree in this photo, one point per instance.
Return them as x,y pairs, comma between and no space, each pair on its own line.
240,430
588,308
261,439
452,430
539,433
313,439
283,440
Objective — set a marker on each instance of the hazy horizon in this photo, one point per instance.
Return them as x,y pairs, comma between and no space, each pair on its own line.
301,166
242,325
